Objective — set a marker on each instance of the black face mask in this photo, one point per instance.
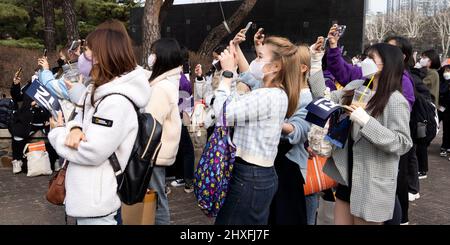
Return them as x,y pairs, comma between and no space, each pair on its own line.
61,62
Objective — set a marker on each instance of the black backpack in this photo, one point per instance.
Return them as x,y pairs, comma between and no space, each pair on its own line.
7,109
132,183
424,114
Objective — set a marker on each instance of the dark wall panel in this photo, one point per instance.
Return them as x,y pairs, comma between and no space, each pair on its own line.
301,21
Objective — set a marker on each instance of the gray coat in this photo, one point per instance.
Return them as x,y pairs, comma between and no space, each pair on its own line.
376,154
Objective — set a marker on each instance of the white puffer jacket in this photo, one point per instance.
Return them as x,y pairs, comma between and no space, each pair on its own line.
91,187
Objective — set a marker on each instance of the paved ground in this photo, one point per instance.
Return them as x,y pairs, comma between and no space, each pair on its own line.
22,199
433,207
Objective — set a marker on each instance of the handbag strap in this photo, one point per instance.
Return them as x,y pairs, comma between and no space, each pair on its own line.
224,115
25,149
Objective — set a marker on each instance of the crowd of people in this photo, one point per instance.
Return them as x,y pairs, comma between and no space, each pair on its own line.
99,81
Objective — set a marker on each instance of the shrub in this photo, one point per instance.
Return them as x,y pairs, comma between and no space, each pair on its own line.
27,42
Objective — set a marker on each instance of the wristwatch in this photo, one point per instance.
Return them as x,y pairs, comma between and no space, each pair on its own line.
228,74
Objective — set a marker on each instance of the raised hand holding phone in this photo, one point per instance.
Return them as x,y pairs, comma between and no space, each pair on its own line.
336,32
18,76
247,27
198,70
228,58
318,46
259,37
43,62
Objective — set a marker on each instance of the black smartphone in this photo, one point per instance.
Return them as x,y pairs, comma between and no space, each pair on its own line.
45,52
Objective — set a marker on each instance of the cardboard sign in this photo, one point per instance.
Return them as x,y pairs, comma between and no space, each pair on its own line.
44,98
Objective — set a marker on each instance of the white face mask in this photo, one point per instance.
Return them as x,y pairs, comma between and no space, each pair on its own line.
447,75
369,68
424,62
151,60
257,69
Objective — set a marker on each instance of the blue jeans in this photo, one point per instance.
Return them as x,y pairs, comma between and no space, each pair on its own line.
312,204
158,183
107,220
251,192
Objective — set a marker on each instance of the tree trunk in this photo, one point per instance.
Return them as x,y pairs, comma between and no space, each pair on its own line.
219,32
48,11
151,28
70,20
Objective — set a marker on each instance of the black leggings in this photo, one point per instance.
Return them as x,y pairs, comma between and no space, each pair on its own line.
184,163
18,145
288,205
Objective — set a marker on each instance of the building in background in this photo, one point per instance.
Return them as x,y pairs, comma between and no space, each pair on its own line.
425,7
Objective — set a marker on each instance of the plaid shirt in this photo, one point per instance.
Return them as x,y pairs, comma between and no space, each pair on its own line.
257,117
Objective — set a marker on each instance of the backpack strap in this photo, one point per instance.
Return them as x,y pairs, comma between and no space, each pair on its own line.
115,164
113,160
104,97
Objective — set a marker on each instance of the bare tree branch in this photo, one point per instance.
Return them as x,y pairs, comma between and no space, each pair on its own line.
409,23
219,32
377,29
441,24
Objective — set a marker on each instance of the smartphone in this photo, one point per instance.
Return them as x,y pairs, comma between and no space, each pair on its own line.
249,24
45,52
341,30
261,33
75,44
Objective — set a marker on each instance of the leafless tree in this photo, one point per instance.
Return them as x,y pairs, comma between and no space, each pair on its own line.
409,24
377,28
441,25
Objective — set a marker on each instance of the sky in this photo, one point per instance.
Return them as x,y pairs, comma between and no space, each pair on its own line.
374,5
377,5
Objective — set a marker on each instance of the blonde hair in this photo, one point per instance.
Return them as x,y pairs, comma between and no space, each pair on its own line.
289,78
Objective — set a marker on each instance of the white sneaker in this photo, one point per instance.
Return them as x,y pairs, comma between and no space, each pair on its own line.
17,166
177,183
413,197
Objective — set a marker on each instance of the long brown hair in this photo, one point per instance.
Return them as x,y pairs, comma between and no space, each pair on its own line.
112,56
288,77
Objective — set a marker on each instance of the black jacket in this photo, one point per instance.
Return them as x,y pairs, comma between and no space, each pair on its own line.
444,89
420,89
26,115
